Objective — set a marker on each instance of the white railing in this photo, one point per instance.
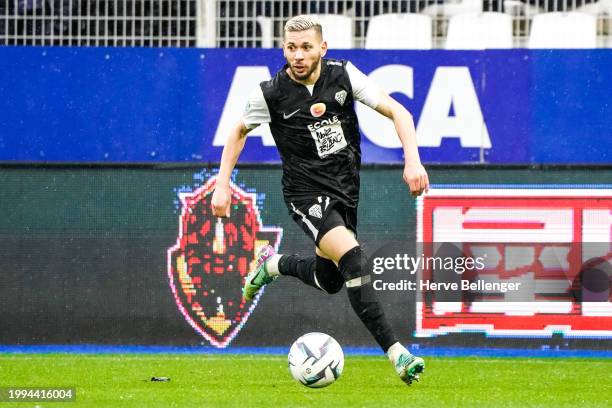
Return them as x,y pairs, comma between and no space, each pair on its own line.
232,23
260,23
153,23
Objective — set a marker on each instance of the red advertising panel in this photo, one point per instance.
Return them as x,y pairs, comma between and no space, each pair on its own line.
542,239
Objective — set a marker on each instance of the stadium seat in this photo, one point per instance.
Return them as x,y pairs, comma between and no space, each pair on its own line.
337,30
477,31
399,31
606,5
602,10
518,8
595,9
563,30
453,7
266,24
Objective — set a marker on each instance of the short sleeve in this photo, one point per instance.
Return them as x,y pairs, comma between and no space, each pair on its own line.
256,111
364,89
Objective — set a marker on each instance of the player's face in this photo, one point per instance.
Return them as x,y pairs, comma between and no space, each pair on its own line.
303,51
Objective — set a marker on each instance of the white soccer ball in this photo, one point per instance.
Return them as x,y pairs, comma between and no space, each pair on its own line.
316,360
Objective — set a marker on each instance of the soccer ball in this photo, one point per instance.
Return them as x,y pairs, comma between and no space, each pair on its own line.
316,360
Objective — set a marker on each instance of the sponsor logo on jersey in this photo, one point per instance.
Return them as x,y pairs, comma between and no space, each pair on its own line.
318,109
325,122
341,97
337,63
328,136
211,258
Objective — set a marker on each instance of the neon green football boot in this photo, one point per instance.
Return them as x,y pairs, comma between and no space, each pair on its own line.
409,367
259,276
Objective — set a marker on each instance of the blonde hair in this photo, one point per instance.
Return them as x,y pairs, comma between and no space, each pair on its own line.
302,23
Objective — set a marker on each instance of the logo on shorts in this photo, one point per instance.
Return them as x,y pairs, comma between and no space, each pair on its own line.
341,97
211,258
315,211
318,109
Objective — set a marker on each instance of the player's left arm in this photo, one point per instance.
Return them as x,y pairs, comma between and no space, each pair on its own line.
415,174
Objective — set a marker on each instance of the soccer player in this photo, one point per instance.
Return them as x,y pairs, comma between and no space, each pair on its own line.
309,105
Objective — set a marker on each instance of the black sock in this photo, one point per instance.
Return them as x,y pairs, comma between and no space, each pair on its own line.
327,276
363,300
301,268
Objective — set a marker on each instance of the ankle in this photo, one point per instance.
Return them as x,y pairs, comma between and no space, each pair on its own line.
272,265
395,351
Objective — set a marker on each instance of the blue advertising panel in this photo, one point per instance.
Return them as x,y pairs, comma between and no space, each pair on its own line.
572,107
177,105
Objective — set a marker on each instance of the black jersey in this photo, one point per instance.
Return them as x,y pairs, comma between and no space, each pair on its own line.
317,135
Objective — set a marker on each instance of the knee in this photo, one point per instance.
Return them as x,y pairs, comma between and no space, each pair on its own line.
327,275
333,285
350,264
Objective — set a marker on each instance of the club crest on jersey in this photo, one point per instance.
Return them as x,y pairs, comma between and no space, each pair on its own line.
318,109
315,211
341,97
211,258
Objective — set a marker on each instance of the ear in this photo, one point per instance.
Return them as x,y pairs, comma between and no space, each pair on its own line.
323,48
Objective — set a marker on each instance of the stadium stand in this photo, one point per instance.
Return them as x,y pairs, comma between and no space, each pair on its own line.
232,23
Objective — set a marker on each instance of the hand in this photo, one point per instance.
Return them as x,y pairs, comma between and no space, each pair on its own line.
221,201
416,178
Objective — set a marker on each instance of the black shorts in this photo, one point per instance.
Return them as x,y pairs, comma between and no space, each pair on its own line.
320,214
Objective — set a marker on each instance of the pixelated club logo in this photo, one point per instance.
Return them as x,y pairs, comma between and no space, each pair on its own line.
546,236
211,258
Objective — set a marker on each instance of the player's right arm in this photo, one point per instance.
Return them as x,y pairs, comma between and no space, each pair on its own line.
222,196
255,113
